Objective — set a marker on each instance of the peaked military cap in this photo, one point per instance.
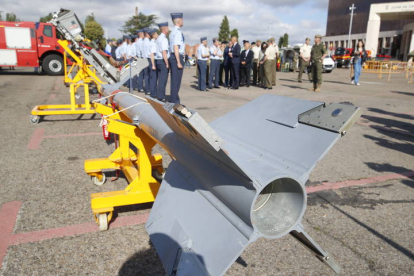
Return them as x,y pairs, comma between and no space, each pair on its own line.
176,15
151,31
163,24
203,38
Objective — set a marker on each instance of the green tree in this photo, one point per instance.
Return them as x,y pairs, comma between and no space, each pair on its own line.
11,17
224,33
280,43
135,23
90,17
235,33
46,18
94,30
285,40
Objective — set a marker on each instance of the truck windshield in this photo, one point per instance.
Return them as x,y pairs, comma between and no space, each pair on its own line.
47,31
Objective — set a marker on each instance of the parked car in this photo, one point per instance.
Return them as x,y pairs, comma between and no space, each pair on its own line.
328,64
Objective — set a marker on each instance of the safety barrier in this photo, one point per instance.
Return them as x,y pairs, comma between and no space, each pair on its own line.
385,68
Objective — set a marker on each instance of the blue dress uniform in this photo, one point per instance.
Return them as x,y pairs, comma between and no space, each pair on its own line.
140,78
108,47
176,38
131,53
122,49
152,50
202,65
145,55
162,70
118,50
215,61
124,53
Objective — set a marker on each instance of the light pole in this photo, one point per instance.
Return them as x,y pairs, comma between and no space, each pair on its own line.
268,32
352,8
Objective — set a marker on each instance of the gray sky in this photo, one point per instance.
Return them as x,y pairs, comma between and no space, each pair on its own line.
298,18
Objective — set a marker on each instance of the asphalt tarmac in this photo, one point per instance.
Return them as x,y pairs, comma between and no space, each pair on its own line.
47,227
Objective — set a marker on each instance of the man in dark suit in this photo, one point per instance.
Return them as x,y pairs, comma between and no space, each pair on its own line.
246,61
234,55
227,66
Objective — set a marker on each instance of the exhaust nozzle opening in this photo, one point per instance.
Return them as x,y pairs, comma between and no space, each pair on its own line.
279,207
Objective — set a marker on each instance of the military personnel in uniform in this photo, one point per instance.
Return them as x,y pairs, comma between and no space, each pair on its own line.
152,63
177,49
202,56
145,55
138,46
161,57
215,60
108,46
318,53
304,59
274,61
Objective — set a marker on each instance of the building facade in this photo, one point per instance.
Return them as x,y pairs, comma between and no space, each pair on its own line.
392,39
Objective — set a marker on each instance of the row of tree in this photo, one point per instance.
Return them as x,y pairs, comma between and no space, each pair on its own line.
94,31
10,17
225,33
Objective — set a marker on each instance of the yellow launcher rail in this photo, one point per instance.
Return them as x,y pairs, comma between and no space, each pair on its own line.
84,76
142,168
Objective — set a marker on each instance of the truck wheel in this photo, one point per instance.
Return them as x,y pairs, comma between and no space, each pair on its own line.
53,65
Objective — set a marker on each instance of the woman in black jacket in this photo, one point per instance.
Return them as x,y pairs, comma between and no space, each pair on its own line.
360,55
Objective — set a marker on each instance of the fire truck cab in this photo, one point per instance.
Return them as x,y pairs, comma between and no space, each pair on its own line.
30,44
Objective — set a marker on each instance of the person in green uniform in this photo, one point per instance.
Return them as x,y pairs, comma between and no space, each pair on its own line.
318,53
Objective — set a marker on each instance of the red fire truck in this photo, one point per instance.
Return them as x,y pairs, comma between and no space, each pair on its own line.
342,57
30,44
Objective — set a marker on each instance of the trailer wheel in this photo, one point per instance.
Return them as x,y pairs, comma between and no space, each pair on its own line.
53,65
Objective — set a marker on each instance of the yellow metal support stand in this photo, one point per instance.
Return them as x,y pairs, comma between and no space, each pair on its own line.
84,76
138,167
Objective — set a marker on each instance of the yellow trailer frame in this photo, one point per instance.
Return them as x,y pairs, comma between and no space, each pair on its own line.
85,75
139,168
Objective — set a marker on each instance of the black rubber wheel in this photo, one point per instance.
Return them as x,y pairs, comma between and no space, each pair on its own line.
53,65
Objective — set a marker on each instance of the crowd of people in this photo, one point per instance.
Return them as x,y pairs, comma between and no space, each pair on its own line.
232,65
224,63
164,55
